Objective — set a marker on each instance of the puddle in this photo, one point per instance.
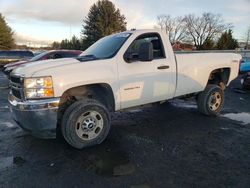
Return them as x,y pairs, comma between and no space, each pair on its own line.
4,107
139,140
135,111
122,170
224,128
6,162
19,161
4,87
183,104
108,164
244,117
7,124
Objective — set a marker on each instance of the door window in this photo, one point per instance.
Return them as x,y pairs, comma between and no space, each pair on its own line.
158,51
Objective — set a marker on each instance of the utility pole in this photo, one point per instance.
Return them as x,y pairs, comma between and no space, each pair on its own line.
70,30
248,37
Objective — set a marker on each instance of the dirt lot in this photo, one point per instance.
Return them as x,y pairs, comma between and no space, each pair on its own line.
171,145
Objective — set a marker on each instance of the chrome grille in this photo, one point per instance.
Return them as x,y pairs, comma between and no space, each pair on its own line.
16,83
16,80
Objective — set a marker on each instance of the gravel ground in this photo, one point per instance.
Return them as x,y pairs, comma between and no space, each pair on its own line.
170,145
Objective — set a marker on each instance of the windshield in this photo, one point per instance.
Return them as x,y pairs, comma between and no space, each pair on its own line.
106,47
37,57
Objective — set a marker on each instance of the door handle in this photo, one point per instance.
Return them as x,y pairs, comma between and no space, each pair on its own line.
163,67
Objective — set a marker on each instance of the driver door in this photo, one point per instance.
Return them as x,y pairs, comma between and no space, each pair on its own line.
143,82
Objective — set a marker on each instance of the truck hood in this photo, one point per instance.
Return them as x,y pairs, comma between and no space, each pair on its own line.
70,73
30,69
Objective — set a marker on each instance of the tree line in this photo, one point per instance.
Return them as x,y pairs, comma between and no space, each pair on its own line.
207,31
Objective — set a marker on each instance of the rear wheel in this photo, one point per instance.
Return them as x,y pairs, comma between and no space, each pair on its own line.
85,123
211,100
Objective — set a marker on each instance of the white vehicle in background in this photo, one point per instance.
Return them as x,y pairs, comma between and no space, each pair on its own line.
129,69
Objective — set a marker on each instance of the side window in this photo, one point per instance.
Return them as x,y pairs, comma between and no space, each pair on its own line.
14,54
69,54
55,56
158,51
50,56
29,54
3,54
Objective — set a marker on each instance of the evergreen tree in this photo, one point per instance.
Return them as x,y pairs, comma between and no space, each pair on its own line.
65,44
55,45
208,45
103,19
75,43
6,35
72,44
227,42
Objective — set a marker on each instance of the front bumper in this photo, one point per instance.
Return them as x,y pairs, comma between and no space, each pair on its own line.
39,117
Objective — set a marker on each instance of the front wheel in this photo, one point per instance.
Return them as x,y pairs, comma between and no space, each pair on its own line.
211,100
85,123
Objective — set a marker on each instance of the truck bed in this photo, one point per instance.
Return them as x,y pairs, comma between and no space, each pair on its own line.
194,69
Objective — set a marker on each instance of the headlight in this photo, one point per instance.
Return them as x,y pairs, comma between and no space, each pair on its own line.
41,87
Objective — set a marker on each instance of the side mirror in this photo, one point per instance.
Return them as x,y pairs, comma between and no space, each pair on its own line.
128,57
146,52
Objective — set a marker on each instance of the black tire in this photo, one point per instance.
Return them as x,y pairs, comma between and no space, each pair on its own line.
71,116
204,100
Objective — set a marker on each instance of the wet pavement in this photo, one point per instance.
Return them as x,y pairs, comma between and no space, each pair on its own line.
168,145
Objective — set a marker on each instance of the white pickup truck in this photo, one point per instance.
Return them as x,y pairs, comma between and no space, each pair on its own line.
120,71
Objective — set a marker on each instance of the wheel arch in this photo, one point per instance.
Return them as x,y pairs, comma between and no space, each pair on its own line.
220,77
99,91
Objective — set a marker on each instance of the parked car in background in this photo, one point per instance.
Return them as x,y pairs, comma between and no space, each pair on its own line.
54,54
38,52
245,64
7,57
245,81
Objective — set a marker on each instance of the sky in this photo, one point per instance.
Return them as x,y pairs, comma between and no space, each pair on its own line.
44,21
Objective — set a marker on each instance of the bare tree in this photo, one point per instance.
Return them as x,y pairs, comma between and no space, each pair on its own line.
203,28
175,27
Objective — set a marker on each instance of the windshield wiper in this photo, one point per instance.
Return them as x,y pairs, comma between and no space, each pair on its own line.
87,58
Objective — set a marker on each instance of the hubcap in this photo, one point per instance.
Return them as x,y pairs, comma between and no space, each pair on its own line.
89,125
215,101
